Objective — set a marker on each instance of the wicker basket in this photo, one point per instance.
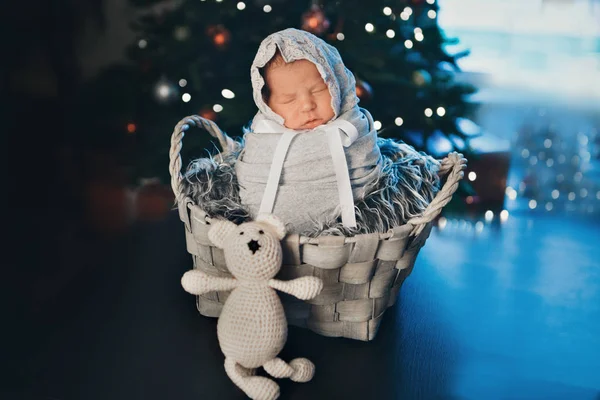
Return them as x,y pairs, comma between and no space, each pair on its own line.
361,274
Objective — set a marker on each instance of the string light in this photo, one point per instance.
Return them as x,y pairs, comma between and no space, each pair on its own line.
503,215
586,156
430,1
399,121
441,111
267,8
547,143
532,204
533,160
479,227
472,176
408,11
555,194
387,11
217,108
549,206
142,44
419,37
390,33
241,5
186,97
408,44
572,196
131,128
431,14
377,125
163,90
442,222
418,30
583,193
369,27
340,36
182,82
525,153
428,112
404,16
511,193
228,94
489,215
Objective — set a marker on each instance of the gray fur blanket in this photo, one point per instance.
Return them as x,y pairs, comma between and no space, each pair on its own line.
407,183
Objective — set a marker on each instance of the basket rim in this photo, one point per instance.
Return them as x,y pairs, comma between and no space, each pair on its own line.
199,215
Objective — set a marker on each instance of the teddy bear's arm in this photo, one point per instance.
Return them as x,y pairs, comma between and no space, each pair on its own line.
197,282
304,288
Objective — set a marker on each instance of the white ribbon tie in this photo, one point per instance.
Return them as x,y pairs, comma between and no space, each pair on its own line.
340,134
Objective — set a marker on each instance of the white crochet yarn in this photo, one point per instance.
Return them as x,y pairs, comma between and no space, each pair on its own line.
252,328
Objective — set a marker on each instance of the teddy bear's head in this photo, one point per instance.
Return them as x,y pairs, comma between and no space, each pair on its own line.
252,249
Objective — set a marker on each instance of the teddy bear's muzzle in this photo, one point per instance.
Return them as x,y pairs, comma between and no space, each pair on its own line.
253,246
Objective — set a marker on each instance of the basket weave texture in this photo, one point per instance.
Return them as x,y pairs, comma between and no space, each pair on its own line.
361,275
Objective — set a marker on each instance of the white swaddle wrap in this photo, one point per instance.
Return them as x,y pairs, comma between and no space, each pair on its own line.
312,175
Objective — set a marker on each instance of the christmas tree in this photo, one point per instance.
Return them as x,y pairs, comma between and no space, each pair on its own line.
194,57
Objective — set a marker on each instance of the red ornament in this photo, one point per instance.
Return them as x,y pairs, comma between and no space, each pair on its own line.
314,20
208,114
364,91
219,34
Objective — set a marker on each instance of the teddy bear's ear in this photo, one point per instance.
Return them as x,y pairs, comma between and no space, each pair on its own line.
274,223
221,228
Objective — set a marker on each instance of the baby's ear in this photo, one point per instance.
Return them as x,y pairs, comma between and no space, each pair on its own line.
221,228
273,223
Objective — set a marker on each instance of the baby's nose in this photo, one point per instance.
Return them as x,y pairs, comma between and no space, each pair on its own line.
308,104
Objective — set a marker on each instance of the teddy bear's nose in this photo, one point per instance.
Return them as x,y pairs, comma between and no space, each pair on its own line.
253,246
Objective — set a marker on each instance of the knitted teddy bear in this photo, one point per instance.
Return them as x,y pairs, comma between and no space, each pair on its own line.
252,328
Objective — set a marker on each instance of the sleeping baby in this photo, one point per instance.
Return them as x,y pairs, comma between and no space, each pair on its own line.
311,151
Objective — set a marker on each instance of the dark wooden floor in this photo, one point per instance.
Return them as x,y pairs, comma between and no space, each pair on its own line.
511,313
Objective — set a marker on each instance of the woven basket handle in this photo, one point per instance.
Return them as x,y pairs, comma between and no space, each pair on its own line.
227,144
453,166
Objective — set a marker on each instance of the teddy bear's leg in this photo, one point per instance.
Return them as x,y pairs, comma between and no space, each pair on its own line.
255,387
246,372
298,370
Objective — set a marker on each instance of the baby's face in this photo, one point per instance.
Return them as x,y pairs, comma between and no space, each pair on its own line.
299,95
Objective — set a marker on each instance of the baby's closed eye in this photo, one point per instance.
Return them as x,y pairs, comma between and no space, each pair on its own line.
288,100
